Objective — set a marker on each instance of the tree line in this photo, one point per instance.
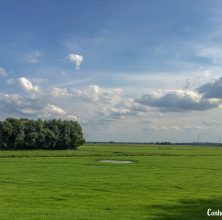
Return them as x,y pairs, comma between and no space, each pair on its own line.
55,134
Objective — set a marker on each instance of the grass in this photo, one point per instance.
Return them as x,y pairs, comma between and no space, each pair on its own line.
166,182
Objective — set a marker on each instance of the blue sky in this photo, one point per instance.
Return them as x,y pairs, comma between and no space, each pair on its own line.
139,69
115,35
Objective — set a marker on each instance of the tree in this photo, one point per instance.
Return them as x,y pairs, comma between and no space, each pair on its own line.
39,134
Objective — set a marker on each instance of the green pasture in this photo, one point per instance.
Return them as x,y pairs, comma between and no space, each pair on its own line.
165,182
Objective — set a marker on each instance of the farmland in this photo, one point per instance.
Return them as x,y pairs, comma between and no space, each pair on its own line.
164,182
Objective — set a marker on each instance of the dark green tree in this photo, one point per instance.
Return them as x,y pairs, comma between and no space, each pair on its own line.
39,134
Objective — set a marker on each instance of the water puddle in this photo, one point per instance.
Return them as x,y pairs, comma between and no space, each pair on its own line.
116,161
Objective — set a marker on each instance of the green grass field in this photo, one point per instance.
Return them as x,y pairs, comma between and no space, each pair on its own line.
165,182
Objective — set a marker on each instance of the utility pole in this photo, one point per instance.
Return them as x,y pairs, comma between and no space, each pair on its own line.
219,140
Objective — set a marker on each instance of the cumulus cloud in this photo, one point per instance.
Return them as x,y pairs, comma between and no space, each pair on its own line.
94,93
12,104
133,107
212,89
3,72
73,117
10,98
61,92
54,110
177,100
113,113
51,110
24,84
27,85
76,59
125,108
91,93
23,105
27,106
99,105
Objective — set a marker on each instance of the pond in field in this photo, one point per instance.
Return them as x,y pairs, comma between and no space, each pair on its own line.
116,161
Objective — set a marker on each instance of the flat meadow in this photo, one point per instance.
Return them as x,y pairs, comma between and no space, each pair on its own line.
164,182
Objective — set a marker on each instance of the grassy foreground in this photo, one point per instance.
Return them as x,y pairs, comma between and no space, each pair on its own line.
165,182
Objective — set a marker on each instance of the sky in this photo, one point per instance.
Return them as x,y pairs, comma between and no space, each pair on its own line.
126,70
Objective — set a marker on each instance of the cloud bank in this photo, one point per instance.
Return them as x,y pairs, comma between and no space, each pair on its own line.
111,108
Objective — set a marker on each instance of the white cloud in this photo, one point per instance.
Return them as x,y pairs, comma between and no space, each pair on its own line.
39,80
53,109
125,108
61,92
24,84
76,58
172,128
3,72
177,100
27,105
211,52
73,117
33,57
27,85
12,104
28,111
10,98
103,108
92,93
212,89
133,107
95,93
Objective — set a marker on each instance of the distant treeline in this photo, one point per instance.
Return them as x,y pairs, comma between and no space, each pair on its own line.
40,134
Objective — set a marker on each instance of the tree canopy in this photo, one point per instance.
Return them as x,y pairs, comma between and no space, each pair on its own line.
55,134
